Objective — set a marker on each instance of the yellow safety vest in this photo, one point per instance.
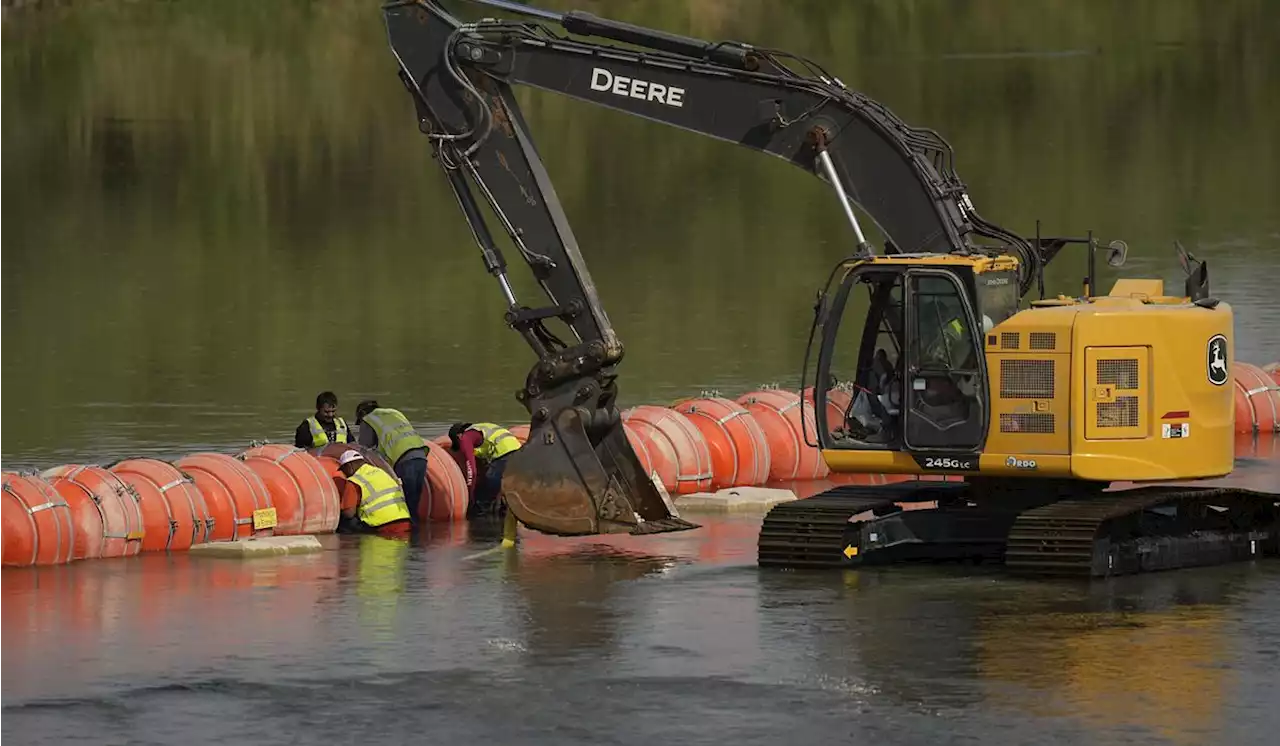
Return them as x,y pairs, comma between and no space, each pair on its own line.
498,441
944,343
381,498
320,438
395,433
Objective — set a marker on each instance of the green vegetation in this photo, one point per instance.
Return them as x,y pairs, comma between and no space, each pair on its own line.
227,206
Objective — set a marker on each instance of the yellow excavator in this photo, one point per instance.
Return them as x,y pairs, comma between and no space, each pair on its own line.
1040,409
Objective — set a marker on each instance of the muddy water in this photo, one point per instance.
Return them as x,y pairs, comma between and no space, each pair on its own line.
200,197
677,639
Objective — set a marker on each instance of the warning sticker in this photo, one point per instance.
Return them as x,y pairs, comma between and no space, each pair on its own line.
1176,430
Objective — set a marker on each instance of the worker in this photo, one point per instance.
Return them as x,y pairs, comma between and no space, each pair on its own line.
323,427
946,348
481,450
391,433
372,501
951,347
946,401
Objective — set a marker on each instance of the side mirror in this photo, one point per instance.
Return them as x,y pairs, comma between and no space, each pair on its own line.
1117,252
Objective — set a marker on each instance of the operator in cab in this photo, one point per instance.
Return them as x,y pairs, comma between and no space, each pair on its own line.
372,501
946,400
481,450
391,433
323,427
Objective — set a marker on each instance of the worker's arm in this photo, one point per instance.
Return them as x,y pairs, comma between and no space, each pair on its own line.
468,442
302,436
350,500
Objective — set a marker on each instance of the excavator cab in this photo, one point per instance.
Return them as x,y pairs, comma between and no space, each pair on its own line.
901,353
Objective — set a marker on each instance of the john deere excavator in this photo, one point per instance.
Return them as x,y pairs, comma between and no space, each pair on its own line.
1039,409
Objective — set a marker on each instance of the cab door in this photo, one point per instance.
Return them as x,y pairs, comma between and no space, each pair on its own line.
946,408
858,388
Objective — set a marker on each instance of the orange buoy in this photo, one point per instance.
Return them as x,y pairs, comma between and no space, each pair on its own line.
444,495
520,431
174,514
122,529
656,453
641,447
838,403
89,527
693,457
1265,446
38,527
738,448
1257,400
303,493
1273,370
232,491
779,414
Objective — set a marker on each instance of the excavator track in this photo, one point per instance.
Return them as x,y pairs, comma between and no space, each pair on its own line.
1131,531
817,531
1144,530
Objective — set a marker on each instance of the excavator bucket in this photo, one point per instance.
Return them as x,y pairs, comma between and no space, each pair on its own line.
577,475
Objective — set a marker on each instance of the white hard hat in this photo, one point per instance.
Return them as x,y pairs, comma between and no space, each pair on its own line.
348,457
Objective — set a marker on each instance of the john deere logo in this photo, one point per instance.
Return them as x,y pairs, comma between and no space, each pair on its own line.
1217,360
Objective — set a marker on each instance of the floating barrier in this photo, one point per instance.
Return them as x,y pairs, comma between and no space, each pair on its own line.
88,524
687,445
1264,446
659,455
116,501
640,445
302,492
38,527
233,494
445,496
1257,400
779,414
174,513
737,445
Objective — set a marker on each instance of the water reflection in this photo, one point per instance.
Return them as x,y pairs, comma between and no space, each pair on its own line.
379,583
575,603
1149,654
155,616
1152,654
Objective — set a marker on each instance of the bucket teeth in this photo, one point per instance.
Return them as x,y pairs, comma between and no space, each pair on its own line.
662,525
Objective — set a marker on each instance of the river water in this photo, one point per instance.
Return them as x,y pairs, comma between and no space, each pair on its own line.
214,211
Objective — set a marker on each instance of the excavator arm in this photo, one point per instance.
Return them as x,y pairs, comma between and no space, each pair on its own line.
577,473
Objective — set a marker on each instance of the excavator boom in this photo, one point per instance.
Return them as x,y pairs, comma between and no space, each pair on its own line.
577,473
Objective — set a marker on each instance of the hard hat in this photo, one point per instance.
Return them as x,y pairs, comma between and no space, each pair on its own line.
348,457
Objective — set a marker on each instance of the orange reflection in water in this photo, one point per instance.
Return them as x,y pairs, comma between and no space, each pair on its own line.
141,608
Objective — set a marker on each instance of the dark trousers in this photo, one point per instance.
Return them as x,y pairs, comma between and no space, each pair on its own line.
486,502
413,475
